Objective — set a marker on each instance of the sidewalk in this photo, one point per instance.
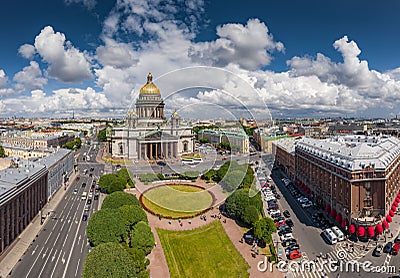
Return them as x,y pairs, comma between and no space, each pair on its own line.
25,239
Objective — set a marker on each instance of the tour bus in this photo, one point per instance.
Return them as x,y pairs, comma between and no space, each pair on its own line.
339,234
330,236
187,161
84,194
197,160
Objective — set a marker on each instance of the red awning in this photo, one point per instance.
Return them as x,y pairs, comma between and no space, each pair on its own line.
379,229
393,208
397,199
361,231
328,208
370,231
391,213
385,224
338,218
352,229
333,213
344,223
388,218
396,203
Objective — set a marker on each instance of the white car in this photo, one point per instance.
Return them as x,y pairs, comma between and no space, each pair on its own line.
75,191
269,198
306,204
302,200
286,236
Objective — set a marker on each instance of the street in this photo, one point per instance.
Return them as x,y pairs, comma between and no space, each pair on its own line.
61,247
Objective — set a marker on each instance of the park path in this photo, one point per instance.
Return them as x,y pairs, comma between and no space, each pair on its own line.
158,264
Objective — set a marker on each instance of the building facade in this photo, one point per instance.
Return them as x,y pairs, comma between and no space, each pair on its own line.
23,193
356,178
60,165
283,151
147,134
239,141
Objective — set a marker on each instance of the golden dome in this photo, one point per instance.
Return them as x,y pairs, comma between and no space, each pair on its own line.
150,88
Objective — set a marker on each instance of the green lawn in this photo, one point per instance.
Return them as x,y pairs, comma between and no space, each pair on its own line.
177,200
203,252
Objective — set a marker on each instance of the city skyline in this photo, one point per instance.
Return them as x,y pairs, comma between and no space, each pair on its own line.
297,59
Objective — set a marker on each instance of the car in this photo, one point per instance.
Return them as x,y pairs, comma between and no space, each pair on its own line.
83,184
302,200
378,250
84,217
89,201
284,231
289,242
286,213
278,219
277,196
291,248
77,178
289,222
280,223
397,239
306,204
395,249
388,247
295,254
87,207
91,169
75,191
286,236
90,175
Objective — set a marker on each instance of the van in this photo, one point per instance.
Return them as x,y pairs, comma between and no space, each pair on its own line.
329,236
339,234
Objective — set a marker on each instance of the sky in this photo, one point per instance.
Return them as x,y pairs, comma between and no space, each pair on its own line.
263,59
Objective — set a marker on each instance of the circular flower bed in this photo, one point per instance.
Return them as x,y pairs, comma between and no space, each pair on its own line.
177,201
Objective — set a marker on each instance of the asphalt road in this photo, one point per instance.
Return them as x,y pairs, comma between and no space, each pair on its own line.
61,247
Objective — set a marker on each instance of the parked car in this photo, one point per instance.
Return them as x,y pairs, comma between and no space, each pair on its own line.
289,222
289,242
306,204
87,207
84,217
291,248
286,213
397,239
378,250
83,184
287,230
395,249
388,247
75,191
286,236
295,254
279,219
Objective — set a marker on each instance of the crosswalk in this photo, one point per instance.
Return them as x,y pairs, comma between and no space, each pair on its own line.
320,267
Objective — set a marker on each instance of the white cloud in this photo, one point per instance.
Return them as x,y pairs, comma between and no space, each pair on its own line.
90,4
66,63
27,51
249,46
29,78
3,79
118,55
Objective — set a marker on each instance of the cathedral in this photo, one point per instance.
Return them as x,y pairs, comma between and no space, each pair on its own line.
146,134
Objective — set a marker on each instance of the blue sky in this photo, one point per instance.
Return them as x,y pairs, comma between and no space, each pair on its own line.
299,58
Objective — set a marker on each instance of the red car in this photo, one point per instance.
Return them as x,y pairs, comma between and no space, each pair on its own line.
295,254
395,249
280,223
77,178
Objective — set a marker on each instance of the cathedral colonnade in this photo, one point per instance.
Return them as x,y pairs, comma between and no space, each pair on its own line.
157,150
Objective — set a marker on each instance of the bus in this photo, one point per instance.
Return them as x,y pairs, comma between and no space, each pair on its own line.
84,195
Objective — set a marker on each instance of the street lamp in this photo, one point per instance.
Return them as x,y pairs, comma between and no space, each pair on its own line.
40,211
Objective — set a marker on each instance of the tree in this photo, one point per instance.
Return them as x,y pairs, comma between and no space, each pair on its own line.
140,262
109,260
132,215
119,199
239,200
250,215
126,175
112,183
106,225
263,229
142,238
2,152
101,136
232,180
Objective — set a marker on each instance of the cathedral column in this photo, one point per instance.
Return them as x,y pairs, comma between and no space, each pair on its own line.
156,150
151,151
140,151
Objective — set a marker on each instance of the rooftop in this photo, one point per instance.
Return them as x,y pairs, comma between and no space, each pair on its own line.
354,152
